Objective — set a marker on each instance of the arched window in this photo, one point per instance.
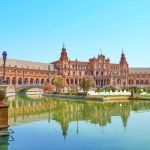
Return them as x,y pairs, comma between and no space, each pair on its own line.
118,81
13,80
42,81
129,82
37,81
107,81
67,80
7,80
26,81
31,80
76,82
71,81
20,81
47,80
137,82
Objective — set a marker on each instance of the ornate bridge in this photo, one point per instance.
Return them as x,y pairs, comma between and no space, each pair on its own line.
19,88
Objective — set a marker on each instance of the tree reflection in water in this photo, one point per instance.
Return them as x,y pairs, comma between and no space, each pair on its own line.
25,109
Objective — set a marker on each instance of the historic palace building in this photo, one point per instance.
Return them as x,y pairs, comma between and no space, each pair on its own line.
100,69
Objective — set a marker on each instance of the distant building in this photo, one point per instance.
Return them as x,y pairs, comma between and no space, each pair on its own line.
100,69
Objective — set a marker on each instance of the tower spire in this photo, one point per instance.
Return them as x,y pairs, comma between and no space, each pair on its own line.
123,57
122,51
101,51
63,45
64,55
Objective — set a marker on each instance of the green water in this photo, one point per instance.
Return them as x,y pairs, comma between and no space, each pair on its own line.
41,123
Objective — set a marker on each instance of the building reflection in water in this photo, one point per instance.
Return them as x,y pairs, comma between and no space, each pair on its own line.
25,109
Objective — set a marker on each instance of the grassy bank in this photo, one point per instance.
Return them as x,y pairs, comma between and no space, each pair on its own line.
144,96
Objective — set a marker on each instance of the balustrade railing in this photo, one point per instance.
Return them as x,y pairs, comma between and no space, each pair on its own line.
29,85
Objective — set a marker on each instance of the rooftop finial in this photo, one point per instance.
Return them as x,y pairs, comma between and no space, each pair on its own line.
63,45
100,51
122,51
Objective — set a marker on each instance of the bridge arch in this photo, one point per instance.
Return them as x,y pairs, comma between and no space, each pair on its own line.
24,88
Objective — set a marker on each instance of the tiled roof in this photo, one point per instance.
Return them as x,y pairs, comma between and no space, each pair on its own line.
139,70
82,62
25,64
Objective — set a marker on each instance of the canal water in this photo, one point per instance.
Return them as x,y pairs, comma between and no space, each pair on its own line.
40,123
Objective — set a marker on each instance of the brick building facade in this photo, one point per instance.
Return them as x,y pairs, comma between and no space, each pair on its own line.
100,69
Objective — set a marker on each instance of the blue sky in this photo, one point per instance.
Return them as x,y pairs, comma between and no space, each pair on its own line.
36,29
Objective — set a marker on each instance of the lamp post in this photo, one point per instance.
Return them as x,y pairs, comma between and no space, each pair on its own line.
4,54
3,105
15,75
23,82
76,81
48,72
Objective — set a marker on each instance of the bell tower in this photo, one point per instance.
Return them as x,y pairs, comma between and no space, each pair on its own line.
124,69
123,63
64,55
64,61
123,58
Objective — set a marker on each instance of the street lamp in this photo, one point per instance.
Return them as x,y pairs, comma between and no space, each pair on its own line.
49,68
4,54
23,82
76,81
15,76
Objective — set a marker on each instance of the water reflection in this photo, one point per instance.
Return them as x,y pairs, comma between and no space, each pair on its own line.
25,109
4,143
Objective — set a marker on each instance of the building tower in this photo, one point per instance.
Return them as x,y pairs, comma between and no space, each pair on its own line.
123,63
124,69
64,61
64,55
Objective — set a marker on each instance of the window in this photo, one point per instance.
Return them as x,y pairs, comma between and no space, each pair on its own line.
96,73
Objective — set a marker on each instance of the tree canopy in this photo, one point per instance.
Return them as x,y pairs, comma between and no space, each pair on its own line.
59,83
86,84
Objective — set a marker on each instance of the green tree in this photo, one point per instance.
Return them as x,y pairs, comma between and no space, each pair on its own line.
125,88
147,90
135,91
86,84
99,89
59,83
73,90
110,88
